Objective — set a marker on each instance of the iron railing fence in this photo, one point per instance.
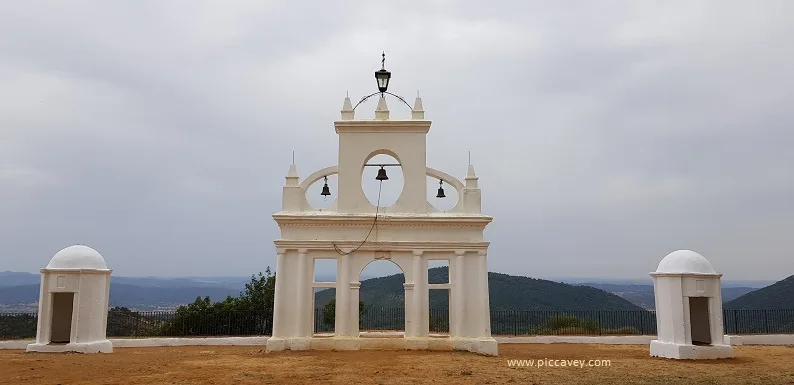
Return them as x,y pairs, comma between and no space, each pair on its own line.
18,325
778,321
128,323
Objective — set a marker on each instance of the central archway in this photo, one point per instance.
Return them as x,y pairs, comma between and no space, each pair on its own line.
382,297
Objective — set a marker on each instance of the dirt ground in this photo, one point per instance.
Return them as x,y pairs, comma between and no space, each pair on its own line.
629,364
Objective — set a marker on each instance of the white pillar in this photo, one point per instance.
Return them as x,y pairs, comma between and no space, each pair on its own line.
303,300
280,323
411,318
716,322
43,331
421,294
458,290
485,304
353,314
342,296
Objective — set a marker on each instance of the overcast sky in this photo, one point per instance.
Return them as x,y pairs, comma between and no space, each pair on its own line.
606,134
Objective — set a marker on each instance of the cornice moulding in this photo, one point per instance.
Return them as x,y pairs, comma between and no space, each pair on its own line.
375,246
690,275
422,126
325,217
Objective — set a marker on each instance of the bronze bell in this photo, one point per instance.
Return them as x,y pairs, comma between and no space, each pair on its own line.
382,174
326,191
440,190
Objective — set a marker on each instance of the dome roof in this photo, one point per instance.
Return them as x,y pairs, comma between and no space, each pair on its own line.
77,257
685,262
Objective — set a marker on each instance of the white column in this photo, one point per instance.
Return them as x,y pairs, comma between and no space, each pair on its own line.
679,312
458,287
302,300
43,325
342,296
280,321
411,309
715,309
353,314
105,304
421,296
485,304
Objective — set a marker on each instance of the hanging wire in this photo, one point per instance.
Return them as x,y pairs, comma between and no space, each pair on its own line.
377,207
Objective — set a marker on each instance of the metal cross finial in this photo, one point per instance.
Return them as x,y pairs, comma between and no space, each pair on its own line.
383,61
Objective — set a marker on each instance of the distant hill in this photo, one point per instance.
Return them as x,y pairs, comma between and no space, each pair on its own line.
779,295
131,296
506,292
12,278
642,295
755,284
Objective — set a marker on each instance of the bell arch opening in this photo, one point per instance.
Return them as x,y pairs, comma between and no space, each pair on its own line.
314,193
378,191
442,196
382,294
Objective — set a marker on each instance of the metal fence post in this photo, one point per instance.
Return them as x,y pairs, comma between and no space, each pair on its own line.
600,327
766,322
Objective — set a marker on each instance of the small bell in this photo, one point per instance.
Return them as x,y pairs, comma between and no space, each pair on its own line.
382,174
326,191
440,190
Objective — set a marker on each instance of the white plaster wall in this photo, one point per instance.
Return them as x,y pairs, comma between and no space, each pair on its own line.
761,339
92,308
361,140
607,340
670,321
390,228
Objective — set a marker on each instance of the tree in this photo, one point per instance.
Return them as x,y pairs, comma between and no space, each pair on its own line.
14,326
123,322
250,313
329,311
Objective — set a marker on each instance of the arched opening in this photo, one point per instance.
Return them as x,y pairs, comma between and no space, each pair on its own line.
390,189
316,199
382,297
450,192
438,274
324,296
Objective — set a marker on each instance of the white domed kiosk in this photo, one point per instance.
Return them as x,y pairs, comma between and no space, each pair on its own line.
688,308
73,303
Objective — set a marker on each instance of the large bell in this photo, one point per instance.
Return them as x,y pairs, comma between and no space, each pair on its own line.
440,190
326,191
382,174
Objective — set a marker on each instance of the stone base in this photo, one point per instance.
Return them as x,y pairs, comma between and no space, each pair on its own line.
104,346
733,340
690,352
486,346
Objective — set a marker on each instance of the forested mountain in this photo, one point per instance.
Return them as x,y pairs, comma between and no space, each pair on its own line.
506,292
779,295
642,295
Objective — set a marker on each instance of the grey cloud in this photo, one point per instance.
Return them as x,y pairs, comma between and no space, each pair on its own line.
605,134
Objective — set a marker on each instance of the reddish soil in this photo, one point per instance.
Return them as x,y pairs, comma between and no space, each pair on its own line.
629,364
